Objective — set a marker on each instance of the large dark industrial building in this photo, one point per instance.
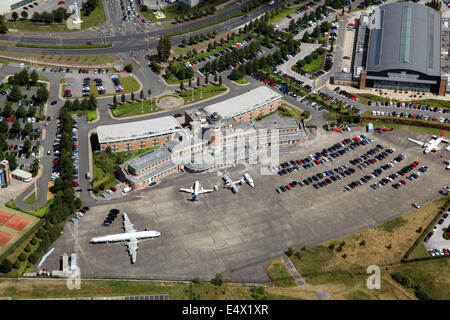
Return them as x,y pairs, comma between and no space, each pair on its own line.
398,46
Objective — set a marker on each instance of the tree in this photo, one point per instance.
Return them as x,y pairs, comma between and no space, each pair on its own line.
184,42
190,82
15,94
206,79
42,94
16,128
26,146
28,128
198,82
12,161
22,256
5,266
34,77
21,112
128,68
132,96
16,264
24,14
435,4
78,203
3,126
123,98
220,80
290,252
164,47
15,16
149,92
141,96
115,101
215,77
181,86
33,258
217,281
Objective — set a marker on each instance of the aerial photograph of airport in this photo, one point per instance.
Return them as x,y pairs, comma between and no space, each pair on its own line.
238,150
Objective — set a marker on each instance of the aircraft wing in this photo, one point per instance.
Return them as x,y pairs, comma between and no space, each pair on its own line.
127,225
204,191
132,249
420,143
444,140
187,190
230,183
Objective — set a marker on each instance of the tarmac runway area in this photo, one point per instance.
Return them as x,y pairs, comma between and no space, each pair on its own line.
238,234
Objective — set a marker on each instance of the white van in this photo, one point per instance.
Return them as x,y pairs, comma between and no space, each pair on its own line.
127,189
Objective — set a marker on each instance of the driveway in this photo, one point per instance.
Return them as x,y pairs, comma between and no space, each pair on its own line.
437,241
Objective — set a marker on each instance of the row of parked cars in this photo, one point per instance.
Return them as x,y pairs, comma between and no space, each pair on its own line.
112,215
328,177
79,214
116,81
281,88
434,252
409,115
327,154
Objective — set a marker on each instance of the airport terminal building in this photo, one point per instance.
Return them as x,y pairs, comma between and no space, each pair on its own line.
217,136
398,47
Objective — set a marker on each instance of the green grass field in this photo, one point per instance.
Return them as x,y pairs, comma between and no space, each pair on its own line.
82,46
97,17
414,128
134,109
208,91
91,115
100,59
32,198
315,65
279,274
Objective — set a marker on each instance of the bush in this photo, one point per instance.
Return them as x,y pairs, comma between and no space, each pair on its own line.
403,279
33,258
217,281
16,264
5,266
331,246
362,243
290,252
128,68
197,280
422,294
22,256
344,255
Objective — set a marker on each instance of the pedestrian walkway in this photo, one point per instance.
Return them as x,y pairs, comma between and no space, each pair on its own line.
293,270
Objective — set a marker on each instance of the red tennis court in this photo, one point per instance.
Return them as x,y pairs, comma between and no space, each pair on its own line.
17,223
5,238
4,216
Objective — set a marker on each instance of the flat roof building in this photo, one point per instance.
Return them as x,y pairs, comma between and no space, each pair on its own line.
244,103
398,47
22,175
136,135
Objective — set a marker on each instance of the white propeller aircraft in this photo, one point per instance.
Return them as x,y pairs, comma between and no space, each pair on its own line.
431,145
130,235
230,184
196,190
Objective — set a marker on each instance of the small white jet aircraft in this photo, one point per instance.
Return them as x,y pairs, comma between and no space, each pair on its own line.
431,145
196,190
130,235
230,184
448,164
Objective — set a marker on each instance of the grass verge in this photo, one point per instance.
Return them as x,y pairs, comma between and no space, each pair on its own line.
135,109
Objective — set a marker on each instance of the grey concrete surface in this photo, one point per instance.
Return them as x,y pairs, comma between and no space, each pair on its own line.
238,234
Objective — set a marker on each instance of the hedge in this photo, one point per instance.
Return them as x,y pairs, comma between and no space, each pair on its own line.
410,122
21,239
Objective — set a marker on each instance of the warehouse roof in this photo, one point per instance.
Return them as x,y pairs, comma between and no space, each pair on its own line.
137,130
244,103
405,36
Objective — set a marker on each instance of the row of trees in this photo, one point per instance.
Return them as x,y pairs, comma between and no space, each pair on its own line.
58,15
195,14
253,5
164,46
85,104
312,56
23,78
179,71
21,112
199,38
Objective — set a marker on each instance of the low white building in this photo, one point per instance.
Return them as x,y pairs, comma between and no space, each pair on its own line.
7,6
22,175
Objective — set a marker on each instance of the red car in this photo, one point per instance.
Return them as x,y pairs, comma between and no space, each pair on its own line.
55,161
75,183
298,161
61,2
89,43
288,187
80,114
402,181
11,147
324,182
26,8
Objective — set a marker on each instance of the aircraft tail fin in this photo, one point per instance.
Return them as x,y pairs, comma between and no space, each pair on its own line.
442,134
